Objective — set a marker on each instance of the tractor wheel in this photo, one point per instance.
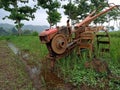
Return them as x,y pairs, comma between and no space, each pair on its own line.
59,43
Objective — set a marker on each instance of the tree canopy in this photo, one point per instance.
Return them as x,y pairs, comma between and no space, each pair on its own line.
76,10
79,9
17,12
51,7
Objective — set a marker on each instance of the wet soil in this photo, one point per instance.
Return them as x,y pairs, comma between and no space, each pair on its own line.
40,73
98,65
12,73
41,76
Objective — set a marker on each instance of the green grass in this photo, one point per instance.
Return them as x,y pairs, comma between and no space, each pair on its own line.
115,34
13,75
71,68
31,43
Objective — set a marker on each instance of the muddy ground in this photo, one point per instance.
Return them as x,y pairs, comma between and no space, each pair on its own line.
17,73
12,73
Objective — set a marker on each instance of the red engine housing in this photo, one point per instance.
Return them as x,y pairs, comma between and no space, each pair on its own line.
46,35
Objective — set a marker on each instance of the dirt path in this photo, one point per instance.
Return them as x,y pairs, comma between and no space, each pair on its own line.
12,72
16,73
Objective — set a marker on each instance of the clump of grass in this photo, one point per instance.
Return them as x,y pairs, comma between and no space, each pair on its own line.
72,70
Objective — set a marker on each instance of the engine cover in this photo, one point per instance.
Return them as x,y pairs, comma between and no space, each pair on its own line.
46,35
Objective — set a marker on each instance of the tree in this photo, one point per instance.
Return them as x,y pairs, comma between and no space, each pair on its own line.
51,7
113,15
18,13
79,9
53,17
99,6
71,11
83,9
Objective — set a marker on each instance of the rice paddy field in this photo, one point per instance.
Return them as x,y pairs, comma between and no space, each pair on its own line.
72,68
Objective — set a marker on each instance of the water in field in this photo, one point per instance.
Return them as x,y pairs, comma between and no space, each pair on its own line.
32,71
13,48
41,76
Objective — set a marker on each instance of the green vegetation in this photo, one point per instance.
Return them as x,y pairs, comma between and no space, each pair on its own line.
8,29
31,43
13,75
51,7
72,68
76,10
18,13
115,34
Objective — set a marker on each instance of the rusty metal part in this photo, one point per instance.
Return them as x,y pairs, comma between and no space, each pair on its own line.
58,40
59,44
103,39
86,42
93,16
47,35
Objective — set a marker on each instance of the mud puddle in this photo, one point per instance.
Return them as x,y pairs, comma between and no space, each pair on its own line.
41,76
13,48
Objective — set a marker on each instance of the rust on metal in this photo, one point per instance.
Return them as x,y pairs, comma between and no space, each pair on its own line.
60,41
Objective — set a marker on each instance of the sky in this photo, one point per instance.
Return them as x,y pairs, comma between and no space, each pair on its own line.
41,16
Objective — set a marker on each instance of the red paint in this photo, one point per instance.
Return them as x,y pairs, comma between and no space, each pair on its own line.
48,32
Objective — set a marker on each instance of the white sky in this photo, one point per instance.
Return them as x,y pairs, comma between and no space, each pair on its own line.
40,16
